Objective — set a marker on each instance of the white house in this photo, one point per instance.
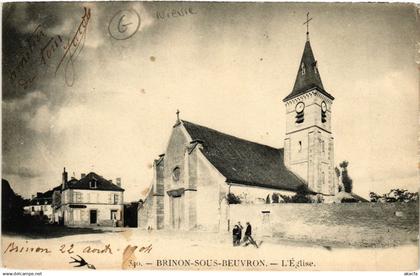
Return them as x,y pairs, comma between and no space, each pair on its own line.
40,205
90,201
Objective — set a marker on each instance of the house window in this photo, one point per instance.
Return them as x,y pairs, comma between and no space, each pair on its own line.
33,209
115,199
76,215
93,183
77,197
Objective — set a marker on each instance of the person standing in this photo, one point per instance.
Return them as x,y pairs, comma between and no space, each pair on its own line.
235,231
239,232
248,235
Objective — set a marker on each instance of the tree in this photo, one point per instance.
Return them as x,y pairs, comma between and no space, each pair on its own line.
345,178
275,198
338,173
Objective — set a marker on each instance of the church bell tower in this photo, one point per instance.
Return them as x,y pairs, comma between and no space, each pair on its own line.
309,143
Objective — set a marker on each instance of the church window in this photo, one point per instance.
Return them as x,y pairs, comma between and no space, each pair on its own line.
323,112
300,114
322,146
176,173
300,146
302,67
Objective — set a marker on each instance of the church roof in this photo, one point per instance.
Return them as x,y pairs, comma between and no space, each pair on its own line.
244,162
308,76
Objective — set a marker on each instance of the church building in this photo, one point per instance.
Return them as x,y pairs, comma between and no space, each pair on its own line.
201,166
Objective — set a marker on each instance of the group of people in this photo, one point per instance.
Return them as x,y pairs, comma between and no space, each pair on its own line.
237,235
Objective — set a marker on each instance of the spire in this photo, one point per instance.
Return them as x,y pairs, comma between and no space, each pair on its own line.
307,26
308,75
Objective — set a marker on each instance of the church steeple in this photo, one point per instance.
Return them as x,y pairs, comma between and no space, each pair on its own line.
308,75
309,143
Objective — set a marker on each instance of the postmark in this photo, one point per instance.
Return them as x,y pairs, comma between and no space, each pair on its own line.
124,24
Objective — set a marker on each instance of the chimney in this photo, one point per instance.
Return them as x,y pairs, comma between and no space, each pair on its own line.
64,181
118,181
82,175
110,180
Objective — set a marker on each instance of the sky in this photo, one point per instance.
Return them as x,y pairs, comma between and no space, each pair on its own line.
223,65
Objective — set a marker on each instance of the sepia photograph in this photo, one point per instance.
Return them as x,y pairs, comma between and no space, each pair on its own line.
221,136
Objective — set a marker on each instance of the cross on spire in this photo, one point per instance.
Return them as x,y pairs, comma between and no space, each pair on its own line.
177,115
307,25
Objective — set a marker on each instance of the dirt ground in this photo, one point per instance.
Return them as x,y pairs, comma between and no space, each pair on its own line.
135,249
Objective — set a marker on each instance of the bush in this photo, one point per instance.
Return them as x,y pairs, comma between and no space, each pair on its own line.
301,196
275,198
232,199
395,195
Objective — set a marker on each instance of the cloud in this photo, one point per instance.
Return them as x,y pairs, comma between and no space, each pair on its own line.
21,171
118,115
29,100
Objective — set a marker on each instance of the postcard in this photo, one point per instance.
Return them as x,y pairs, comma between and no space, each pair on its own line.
224,136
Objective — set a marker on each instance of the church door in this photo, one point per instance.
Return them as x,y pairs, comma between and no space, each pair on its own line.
176,212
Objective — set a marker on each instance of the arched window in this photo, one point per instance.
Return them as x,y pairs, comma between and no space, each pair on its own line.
176,173
302,67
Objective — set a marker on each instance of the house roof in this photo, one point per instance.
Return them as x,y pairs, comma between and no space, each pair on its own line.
308,76
101,183
44,198
244,162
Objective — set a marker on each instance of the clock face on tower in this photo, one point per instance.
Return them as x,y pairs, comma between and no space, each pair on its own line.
323,107
300,107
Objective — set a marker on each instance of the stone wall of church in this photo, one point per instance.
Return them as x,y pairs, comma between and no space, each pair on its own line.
254,195
309,149
175,160
209,195
150,215
146,215
191,196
